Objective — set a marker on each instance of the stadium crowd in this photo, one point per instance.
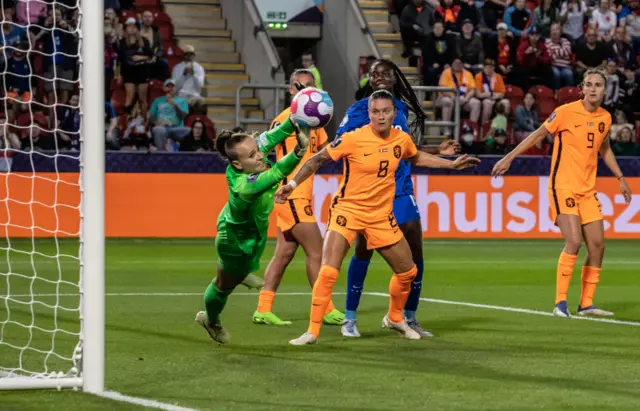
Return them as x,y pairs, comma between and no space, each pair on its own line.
513,62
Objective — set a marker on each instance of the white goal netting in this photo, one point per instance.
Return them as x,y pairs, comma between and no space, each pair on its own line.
40,190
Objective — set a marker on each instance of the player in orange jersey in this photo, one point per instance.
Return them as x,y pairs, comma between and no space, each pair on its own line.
364,204
581,130
295,220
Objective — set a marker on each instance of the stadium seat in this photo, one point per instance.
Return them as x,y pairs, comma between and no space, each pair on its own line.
156,89
147,3
166,31
118,97
208,124
474,126
125,14
515,95
545,108
162,17
568,95
541,92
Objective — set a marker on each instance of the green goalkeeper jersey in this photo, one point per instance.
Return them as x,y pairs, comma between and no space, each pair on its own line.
244,220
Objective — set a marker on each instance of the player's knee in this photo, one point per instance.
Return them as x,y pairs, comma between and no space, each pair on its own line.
572,245
596,247
285,254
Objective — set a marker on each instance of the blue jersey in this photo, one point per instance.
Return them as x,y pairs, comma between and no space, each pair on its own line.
358,116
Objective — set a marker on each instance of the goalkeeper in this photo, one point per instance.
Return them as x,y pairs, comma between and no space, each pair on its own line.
243,222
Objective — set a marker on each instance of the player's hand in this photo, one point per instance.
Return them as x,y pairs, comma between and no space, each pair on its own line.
501,167
464,161
449,147
283,194
625,190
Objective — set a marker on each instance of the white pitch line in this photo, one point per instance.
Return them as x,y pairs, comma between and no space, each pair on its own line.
116,396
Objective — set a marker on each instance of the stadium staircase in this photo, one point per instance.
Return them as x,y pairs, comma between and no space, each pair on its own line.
378,17
200,24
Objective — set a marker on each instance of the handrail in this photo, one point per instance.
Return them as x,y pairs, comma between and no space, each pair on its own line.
422,90
365,29
276,87
260,33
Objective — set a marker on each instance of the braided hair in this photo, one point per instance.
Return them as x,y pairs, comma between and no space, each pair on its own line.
402,90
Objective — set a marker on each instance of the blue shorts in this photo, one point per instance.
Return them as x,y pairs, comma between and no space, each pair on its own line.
405,209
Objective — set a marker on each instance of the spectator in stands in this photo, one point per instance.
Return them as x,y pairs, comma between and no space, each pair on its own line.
134,52
112,4
527,120
544,16
363,84
470,11
471,50
612,93
12,34
439,50
605,20
18,76
462,80
496,143
490,12
632,24
624,145
112,133
491,89
559,49
416,23
189,75
167,115
33,129
516,18
622,50
502,50
115,22
469,143
158,66
197,140
448,14
573,13
59,44
309,63
619,122
533,61
110,55
68,125
136,134
591,54
499,121
8,139
30,11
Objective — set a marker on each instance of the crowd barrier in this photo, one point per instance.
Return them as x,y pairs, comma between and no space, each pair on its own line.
180,195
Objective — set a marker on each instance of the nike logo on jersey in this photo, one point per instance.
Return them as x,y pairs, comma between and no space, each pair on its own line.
367,154
577,125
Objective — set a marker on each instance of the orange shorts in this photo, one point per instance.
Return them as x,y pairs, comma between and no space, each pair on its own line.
585,206
24,97
294,211
379,232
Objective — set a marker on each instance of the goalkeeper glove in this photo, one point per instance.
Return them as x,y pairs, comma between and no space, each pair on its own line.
302,135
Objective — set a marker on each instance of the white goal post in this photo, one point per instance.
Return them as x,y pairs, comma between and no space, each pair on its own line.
69,353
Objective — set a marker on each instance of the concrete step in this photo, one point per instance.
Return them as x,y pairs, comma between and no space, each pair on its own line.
192,2
231,101
251,127
229,114
380,27
214,57
204,46
428,104
202,33
408,70
388,37
373,4
228,91
199,23
218,67
376,16
226,79
391,49
194,11
396,58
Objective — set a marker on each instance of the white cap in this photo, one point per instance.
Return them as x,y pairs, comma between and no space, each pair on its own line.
502,26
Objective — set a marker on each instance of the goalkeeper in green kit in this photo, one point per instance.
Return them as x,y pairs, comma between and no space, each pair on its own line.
244,220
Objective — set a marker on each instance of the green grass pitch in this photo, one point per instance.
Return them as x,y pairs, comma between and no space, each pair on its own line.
481,359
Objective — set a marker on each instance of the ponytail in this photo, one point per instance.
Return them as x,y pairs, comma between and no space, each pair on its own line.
221,143
226,141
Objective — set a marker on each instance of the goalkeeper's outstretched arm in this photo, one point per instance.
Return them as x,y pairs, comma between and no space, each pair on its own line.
307,170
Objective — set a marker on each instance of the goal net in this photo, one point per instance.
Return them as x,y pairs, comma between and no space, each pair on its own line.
47,285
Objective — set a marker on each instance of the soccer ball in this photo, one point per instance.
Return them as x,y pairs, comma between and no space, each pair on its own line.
312,108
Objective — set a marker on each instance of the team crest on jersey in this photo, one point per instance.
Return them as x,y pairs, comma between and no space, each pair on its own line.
397,151
341,220
570,202
335,143
252,178
551,117
308,210
601,127
262,140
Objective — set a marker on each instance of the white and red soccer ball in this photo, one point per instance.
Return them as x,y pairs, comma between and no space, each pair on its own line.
312,108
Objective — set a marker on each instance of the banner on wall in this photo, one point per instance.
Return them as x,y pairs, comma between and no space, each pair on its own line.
290,11
187,205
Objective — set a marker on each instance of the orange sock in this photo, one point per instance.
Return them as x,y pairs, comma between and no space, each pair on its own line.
590,279
563,275
399,289
321,296
330,307
265,301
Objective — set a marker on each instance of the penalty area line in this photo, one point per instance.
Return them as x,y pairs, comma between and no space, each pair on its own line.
116,396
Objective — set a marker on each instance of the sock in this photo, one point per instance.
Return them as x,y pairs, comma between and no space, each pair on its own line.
414,295
320,297
355,282
399,288
214,301
265,301
590,278
563,275
330,307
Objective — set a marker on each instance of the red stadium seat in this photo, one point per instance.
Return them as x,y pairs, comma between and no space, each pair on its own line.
473,125
161,17
156,89
118,97
542,92
173,54
568,95
515,95
147,3
545,108
125,14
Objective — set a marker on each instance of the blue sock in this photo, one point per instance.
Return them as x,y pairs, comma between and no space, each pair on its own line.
355,282
411,306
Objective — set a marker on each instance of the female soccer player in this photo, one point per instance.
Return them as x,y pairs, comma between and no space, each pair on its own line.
385,75
581,130
364,204
296,222
243,222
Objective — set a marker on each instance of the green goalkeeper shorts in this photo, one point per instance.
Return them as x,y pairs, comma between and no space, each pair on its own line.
235,261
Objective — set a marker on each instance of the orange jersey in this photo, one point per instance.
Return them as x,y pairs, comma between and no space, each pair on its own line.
494,84
318,137
578,137
368,183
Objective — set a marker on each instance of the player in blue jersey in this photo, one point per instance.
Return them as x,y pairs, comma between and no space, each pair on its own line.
385,75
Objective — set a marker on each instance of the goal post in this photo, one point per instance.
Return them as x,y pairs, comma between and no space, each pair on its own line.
52,320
